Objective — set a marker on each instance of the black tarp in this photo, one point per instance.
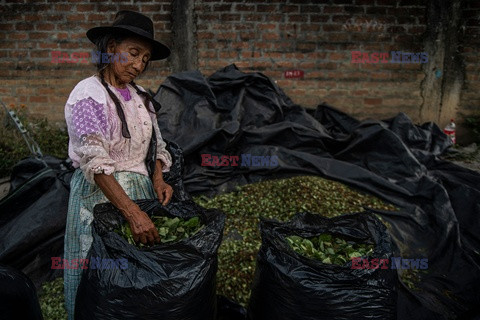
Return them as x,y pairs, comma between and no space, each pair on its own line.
33,217
235,113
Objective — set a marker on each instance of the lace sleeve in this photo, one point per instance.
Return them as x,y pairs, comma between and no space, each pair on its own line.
88,131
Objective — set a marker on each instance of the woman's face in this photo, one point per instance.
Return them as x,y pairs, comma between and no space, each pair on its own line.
130,58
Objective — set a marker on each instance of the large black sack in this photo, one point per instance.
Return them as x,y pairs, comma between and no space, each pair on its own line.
290,286
18,296
167,281
33,217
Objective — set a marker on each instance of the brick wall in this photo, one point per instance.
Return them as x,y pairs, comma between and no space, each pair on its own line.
470,98
29,32
276,36
273,36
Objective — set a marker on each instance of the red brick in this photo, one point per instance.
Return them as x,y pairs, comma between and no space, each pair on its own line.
330,9
332,27
372,101
245,36
41,99
18,36
319,18
151,8
289,8
273,55
205,35
76,17
207,54
266,26
222,7
85,7
32,17
266,8
297,18
270,36
47,45
275,17
44,26
253,17
244,7
230,17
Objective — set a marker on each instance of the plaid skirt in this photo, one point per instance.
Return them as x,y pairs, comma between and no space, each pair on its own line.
78,234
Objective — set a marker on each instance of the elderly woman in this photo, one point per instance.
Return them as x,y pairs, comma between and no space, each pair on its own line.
112,127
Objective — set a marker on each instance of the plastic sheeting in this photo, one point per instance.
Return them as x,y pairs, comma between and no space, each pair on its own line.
166,281
288,285
18,296
235,113
33,217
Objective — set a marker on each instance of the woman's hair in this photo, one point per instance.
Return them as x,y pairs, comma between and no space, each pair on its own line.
102,45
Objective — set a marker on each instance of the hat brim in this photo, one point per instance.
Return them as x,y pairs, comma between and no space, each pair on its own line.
159,50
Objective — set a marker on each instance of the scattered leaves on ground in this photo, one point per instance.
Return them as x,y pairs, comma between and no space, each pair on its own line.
52,300
274,199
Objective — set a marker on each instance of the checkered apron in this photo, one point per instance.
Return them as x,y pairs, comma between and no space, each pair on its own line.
78,234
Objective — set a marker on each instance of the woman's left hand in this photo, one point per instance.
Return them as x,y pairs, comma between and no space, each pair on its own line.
164,192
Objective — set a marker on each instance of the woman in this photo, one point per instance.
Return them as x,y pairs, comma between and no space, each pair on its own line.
112,125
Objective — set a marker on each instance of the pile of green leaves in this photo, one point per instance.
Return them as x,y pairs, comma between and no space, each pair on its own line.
274,199
278,199
329,249
169,229
52,301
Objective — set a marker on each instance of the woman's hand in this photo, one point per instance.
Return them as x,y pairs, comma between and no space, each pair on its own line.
164,192
143,229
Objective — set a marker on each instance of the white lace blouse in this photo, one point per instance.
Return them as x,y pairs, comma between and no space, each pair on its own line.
96,144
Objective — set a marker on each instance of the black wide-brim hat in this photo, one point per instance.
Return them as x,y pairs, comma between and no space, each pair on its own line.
134,24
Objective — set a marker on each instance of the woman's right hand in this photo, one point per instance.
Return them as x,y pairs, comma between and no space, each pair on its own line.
143,229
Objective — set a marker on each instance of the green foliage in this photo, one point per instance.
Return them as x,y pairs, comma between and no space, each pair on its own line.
473,123
169,229
52,300
274,199
279,199
51,139
329,249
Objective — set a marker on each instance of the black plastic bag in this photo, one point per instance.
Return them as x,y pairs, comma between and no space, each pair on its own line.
166,281
290,286
33,217
229,309
18,296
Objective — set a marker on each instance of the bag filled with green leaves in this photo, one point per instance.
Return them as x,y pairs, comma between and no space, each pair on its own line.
304,270
175,279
